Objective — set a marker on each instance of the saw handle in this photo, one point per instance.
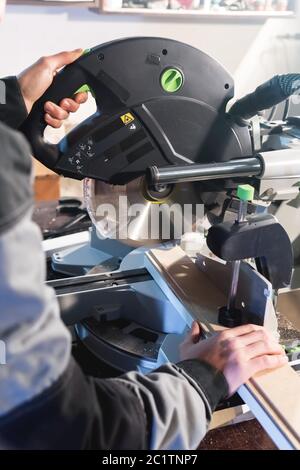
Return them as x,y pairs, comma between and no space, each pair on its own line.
64,85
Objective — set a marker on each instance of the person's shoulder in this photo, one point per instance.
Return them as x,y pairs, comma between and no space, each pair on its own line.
11,138
8,134
15,155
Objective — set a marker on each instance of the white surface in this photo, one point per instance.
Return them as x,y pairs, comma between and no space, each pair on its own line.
54,244
275,50
280,163
29,32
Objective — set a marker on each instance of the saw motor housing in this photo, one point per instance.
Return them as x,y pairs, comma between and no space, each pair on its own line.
159,102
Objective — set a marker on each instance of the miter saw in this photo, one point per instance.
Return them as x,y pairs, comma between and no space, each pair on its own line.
162,138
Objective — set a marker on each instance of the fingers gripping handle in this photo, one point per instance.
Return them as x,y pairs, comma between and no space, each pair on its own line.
64,85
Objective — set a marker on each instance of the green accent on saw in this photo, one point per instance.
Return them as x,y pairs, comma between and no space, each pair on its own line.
86,51
171,80
291,350
85,89
245,192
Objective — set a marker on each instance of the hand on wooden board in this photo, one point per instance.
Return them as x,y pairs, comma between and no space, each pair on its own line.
239,353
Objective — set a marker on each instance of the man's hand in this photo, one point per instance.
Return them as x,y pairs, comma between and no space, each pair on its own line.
35,80
238,352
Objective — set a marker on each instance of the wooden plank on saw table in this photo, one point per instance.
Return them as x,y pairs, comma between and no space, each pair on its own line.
277,392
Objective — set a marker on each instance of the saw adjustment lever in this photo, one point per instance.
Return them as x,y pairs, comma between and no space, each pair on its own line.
258,237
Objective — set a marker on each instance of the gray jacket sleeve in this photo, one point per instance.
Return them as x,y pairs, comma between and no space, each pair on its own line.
16,194
37,343
178,401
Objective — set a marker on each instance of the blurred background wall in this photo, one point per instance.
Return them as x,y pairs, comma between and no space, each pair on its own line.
250,49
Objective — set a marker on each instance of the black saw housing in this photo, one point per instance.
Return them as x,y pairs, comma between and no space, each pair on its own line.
159,102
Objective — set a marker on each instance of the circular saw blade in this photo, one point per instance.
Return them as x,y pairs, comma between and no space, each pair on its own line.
135,216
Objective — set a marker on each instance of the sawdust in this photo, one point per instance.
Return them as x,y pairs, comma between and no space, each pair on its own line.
287,330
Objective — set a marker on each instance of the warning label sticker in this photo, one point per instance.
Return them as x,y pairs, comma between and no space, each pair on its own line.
127,118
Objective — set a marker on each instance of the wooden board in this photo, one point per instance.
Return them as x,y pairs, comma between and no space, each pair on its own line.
273,396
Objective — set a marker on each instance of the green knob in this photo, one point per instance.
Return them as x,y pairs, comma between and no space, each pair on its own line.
245,192
83,89
171,80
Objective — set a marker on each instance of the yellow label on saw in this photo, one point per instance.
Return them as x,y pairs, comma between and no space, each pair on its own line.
127,118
